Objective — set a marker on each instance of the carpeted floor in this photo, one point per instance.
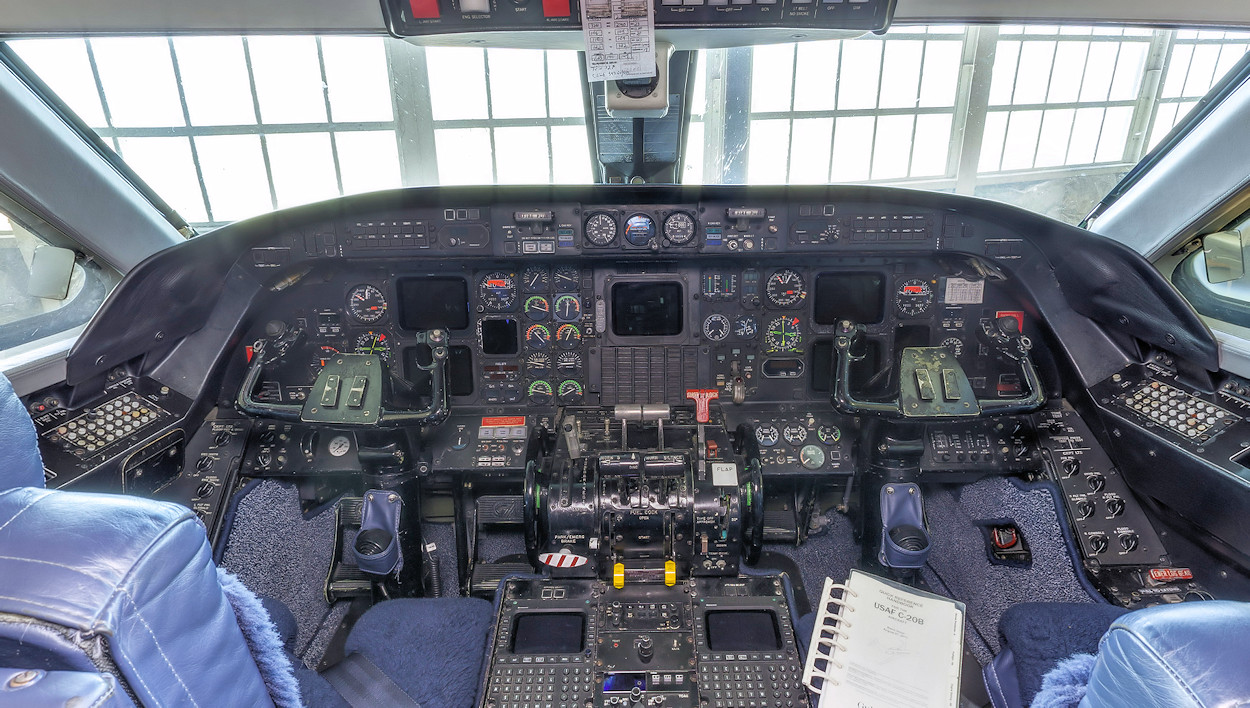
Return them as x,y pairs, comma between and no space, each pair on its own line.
828,552
959,566
278,553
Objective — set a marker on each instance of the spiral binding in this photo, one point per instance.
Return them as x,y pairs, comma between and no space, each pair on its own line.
831,623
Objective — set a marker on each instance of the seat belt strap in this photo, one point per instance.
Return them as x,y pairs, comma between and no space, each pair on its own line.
363,685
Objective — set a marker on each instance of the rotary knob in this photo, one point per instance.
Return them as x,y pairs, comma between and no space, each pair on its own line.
646,650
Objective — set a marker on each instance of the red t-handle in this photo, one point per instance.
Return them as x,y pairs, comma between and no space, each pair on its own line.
701,398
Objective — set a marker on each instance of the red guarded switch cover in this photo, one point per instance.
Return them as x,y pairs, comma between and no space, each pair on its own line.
556,8
424,9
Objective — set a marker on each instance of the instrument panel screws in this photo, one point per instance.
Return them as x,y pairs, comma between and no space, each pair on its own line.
391,498
911,490
889,490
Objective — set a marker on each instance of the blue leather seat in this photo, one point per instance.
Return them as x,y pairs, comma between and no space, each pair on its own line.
1170,656
1174,656
112,584
19,448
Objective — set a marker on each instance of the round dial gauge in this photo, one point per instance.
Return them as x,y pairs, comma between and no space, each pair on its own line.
679,228
914,297
568,308
537,308
568,336
537,364
374,343
535,280
785,288
955,345
600,229
812,457
320,357
540,392
794,434
497,291
639,230
566,278
746,327
783,334
569,364
767,435
716,327
537,336
569,391
365,303
829,434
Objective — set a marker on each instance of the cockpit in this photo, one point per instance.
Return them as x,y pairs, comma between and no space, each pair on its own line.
588,353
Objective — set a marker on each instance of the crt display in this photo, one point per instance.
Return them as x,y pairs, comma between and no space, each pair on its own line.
433,303
858,297
499,337
646,309
742,630
548,633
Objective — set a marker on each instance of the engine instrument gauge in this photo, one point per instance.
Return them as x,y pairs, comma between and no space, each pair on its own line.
720,284
794,434
537,336
716,327
566,278
536,280
569,364
955,345
570,391
785,288
365,303
374,343
540,392
914,297
568,308
600,229
538,364
568,336
746,327
812,457
639,230
829,434
679,228
320,357
537,308
498,291
783,334
767,435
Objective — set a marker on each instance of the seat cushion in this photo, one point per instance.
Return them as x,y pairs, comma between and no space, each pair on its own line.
1041,634
125,585
432,648
19,448
1174,656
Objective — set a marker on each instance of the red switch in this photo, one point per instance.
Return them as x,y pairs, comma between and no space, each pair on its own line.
424,9
556,8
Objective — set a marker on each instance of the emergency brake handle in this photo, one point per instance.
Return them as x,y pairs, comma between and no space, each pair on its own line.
936,371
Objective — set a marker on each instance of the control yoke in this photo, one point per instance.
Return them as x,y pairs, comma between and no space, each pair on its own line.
932,383
348,390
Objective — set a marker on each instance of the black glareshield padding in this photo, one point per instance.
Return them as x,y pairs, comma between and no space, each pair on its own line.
377,548
904,541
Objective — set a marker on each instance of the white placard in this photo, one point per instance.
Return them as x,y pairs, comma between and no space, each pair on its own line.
724,474
620,39
964,292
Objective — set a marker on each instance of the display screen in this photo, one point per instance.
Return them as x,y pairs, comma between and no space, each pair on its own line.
548,633
624,683
858,297
499,337
646,309
433,303
742,630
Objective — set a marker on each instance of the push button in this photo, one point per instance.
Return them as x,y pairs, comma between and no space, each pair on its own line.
556,8
424,9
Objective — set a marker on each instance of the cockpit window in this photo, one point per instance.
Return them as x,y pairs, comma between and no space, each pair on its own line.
1044,117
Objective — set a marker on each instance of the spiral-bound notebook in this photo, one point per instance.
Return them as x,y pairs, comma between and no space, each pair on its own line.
882,644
